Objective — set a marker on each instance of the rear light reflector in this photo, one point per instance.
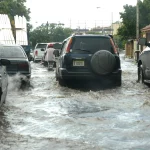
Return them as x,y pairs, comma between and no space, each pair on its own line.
69,46
23,66
114,47
36,53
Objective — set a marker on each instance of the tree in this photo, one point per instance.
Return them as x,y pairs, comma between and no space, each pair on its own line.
49,32
128,29
144,13
93,32
13,8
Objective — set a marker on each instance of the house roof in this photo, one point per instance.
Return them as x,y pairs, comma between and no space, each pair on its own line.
146,28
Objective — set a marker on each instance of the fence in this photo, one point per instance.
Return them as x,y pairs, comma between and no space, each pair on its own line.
6,34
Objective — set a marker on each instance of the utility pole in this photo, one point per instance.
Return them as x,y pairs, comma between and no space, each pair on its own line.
137,51
137,23
112,22
98,8
70,23
95,24
47,27
85,26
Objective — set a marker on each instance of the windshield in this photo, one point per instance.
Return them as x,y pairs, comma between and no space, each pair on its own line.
41,46
26,48
92,44
11,52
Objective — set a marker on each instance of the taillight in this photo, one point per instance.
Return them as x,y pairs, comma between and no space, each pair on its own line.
36,53
114,47
69,46
23,66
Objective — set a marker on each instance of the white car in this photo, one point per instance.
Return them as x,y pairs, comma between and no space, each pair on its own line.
39,50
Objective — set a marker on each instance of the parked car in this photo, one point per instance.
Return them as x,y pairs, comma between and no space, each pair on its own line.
18,59
3,80
143,63
88,57
31,55
39,50
27,50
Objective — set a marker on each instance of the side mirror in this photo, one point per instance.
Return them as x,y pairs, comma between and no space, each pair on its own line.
142,41
56,52
4,62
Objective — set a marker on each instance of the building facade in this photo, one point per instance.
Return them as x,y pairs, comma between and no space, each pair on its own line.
116,26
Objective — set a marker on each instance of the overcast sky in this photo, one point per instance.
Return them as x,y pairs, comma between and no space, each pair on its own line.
77,13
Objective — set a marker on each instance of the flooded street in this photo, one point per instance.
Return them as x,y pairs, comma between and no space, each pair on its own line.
47,116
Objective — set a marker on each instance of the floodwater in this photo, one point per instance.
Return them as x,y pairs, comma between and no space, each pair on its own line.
47,116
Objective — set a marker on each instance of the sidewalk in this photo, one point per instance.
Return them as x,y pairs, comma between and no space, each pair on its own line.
122,56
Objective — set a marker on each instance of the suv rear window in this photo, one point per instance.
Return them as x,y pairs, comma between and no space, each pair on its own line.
91,44
41,46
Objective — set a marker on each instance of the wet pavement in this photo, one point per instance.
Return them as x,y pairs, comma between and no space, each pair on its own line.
47,116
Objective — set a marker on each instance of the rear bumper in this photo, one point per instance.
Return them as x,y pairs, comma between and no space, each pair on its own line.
20,75
64,74
38,58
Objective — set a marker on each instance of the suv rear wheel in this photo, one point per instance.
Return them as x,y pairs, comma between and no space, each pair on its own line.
140,74
61,82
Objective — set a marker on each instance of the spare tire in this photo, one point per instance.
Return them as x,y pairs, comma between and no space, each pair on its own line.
103,62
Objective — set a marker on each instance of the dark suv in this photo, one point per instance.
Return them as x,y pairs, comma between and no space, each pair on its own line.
88,57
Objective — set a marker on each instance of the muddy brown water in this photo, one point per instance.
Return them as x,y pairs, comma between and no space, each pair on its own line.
47,116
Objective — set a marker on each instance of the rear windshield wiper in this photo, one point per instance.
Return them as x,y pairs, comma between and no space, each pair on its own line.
82,50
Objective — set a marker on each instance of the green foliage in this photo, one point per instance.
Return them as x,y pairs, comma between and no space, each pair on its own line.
14,7
128,29
49,33
119,41
144,13
92,32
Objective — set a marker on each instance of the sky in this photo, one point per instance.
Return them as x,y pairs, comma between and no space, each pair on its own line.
77,13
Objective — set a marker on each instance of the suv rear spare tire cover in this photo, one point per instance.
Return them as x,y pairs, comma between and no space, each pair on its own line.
103,62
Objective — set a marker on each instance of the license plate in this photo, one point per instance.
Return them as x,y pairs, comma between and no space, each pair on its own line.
78,63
